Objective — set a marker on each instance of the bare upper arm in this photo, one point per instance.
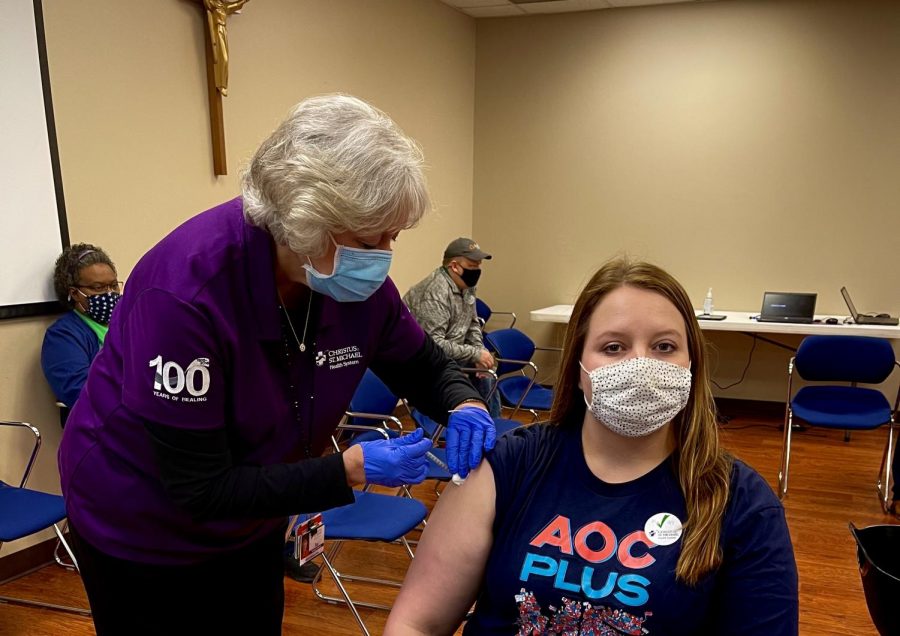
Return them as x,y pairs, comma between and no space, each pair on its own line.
443,580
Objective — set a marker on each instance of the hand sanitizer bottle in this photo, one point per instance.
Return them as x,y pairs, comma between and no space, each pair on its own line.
708,303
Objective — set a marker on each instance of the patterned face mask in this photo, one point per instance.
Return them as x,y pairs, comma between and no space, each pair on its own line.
100,306
638,396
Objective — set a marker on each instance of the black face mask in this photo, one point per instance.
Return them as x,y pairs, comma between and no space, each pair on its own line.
470,276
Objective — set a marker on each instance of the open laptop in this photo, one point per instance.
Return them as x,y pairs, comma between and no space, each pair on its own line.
787,307
866,319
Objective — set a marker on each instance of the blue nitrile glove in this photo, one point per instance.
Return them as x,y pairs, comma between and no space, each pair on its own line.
397,461
469,430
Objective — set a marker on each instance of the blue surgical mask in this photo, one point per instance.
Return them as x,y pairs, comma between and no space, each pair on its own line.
357,273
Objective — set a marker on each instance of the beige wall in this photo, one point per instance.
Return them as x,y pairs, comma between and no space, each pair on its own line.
742,145
129,90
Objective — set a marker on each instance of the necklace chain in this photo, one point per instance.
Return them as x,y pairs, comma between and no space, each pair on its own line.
301,342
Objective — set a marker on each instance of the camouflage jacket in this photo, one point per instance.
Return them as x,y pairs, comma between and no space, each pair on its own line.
447,314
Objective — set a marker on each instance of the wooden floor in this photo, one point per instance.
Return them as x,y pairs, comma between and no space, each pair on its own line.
831,484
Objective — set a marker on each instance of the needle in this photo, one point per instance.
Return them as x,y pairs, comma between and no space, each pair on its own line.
456,479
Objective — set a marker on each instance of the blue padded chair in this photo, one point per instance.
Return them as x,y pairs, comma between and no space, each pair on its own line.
516,372
372,396
24,512
435,431
484,313
374,402
372,517
878,554
850,359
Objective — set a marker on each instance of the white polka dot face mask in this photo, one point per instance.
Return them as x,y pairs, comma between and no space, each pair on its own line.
100,306
636,397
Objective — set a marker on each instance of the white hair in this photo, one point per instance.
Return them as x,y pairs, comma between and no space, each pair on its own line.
335,164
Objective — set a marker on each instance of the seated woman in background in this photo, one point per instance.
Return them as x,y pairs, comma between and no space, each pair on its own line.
84,279
620,515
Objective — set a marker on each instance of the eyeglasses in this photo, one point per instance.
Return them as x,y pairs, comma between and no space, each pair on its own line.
102,288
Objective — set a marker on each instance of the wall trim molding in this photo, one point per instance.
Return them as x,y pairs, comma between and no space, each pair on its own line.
26,561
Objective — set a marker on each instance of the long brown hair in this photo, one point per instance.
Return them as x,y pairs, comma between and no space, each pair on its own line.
704,469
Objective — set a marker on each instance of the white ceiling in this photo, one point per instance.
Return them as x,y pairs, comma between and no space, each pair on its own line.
502,8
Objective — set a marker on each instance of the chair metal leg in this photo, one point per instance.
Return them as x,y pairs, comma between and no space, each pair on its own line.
60,561
367,579
61,543
51,606
329,558
409,551
9,600
884,471
524,394
785,454
346,597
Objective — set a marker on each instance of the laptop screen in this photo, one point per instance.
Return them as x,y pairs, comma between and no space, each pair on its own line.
788,305
849,302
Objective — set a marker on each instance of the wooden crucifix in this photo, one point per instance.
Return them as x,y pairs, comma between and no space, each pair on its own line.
217,12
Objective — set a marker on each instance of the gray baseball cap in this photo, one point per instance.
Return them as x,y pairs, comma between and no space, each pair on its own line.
467,248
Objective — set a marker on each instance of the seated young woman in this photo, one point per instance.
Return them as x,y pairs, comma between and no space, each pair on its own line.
622,514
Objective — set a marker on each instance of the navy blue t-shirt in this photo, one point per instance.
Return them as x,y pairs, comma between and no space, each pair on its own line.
575,555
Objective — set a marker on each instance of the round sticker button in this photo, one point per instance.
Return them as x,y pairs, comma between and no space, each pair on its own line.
663,528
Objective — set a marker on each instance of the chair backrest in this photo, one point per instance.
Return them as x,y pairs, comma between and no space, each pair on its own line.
510,344
23,512
845,359
878,553
373,396
34,449
482,310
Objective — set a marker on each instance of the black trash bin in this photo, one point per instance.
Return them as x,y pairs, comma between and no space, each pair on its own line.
878,553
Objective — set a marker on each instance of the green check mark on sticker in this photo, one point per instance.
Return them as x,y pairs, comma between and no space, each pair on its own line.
662,521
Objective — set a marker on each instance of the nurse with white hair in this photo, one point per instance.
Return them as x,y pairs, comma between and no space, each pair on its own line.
229,362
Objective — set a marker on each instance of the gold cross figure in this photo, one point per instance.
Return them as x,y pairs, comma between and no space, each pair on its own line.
217,12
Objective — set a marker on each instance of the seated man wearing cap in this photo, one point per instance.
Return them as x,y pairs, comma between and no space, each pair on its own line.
444,305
